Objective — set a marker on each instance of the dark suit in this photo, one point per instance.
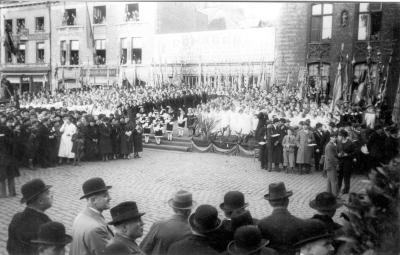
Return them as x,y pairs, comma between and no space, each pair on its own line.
193,245
282,229
319,149
164,233
24,228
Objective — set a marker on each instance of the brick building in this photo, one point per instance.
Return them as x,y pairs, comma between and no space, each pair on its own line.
311,35
29,26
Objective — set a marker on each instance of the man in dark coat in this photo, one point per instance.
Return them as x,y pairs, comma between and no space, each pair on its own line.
204,222
163,234
326,204
281,227
346,155
319,148
273,137
25,225
105,145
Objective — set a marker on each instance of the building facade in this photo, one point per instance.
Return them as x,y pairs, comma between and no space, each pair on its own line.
315,36
28,25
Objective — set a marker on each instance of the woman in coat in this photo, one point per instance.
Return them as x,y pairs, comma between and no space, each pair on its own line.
125,136
105,139
137,140
304,142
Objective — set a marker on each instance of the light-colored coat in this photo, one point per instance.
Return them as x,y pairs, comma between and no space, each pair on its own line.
304,152
90,234
331,157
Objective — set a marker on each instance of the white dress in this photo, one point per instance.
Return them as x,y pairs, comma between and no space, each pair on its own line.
66,142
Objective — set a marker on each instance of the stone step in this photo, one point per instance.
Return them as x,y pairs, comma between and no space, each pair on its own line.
173,142
166,147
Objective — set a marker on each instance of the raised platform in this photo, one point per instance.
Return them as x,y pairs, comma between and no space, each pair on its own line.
177,144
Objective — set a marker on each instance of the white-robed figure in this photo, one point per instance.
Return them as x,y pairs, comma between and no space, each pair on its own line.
181,122
68,129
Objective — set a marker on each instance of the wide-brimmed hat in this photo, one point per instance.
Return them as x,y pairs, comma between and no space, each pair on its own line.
33,189
277,191
52,233
325,201
182,200
233,200
94,186
205,219
311,231
247,240
123,212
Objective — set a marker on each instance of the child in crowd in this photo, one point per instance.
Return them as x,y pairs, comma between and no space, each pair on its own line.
289,144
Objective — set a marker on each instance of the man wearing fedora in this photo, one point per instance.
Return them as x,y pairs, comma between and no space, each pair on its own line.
314,239
281,227
25,225
52,239
163,233
326,205
90,231
203,223
248,240
128,224
331,163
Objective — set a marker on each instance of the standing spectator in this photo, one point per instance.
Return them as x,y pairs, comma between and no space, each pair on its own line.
281,227
272,137
137,140
163,234
248,240
128,223
326,205
345,154
289,145
78,143
314,239
331,163
304,142
203,222
68,129
104,139
319,148
52,239
90,231
25,225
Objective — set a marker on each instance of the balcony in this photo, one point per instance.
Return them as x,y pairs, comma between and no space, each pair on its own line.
75,72
318,50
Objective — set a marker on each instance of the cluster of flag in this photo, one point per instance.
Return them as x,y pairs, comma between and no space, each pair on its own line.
8,42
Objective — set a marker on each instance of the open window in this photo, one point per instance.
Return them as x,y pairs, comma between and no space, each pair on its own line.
69,18
8,25
99,14
21,53
137,44
100,52
124,51
63,52
40,52
20,25
132,12
39,24
369,21
74,53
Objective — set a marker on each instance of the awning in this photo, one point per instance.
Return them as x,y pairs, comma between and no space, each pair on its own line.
13,79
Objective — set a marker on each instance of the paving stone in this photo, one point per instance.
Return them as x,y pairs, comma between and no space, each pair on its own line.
152,179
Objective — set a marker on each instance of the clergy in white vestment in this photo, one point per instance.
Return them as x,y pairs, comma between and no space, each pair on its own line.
68,129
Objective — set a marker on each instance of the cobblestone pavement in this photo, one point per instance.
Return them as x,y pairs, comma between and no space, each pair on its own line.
152,179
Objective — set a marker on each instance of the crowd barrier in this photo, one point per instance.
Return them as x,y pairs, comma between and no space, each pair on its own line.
234,149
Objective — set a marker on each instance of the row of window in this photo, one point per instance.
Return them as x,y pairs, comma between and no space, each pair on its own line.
39,25
369,21
69,51
100,14
21,57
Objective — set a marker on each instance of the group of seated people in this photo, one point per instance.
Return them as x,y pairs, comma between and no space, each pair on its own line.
191,229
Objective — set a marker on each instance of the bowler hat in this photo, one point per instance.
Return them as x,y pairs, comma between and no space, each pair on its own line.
277,191
276,120
233,200
311,231
325,201
182,200
52,233
205,219
94,186
33,189
247,240
123,212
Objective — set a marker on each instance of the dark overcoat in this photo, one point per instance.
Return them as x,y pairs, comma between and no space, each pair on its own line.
193,245
23,229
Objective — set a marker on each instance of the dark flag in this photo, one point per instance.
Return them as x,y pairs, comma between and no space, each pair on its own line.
8,42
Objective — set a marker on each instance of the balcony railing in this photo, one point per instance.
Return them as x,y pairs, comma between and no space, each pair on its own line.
318,50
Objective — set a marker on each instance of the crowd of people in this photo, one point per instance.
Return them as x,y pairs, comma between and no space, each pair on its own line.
191,229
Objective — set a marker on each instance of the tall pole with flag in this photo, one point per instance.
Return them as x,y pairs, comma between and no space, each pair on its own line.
89,34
